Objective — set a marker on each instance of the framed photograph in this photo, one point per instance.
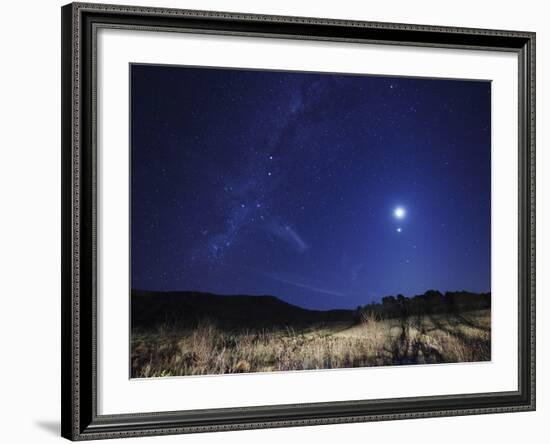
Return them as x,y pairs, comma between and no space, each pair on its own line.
281,221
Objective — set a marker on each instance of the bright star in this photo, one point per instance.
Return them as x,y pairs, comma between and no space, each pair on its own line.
399,230
399,212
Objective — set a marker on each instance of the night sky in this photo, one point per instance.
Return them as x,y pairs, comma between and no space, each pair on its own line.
325,190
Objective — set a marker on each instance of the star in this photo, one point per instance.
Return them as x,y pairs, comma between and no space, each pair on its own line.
399,230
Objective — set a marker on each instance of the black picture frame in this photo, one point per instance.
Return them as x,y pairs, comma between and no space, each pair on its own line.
80,420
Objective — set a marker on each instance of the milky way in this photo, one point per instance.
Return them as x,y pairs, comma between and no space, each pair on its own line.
264,182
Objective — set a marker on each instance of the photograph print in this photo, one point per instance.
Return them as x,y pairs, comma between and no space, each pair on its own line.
289,221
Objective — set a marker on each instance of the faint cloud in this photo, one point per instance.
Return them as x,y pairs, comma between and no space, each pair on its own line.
289,235
301,283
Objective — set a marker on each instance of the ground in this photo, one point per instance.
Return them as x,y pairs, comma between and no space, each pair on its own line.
208,348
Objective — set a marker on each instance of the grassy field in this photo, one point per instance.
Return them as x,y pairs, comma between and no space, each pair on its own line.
210,349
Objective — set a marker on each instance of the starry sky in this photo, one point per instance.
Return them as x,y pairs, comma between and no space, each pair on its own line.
325,190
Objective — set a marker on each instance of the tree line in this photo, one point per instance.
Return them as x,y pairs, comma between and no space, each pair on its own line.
431,302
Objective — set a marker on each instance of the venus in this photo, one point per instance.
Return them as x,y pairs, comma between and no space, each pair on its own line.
399,212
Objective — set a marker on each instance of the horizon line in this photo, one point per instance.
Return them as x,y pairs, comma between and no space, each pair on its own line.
379,300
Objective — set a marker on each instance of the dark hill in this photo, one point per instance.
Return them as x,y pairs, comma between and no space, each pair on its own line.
235,311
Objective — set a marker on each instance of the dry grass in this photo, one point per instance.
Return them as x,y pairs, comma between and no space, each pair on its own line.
374,342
